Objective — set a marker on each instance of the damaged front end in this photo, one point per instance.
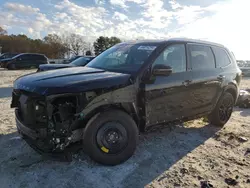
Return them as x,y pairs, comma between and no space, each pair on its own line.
49,124
53,108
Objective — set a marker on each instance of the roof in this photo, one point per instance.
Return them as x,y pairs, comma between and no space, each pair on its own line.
30,54
175,40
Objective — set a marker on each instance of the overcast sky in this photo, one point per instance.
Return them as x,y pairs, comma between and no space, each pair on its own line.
222,21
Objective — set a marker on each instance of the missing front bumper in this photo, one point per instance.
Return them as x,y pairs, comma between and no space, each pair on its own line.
40,141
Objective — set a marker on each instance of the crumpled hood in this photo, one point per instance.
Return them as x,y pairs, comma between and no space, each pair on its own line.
45,67
70,80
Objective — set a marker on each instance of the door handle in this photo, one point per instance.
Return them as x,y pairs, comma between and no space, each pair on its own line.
186,82
221,77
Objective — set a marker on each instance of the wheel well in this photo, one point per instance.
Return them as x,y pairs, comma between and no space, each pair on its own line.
123,107
233,92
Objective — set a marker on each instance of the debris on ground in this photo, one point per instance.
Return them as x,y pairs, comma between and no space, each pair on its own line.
206,184
184,171
242,139
243,99
247,151
231,181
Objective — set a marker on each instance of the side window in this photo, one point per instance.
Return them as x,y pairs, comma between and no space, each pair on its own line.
32,57
43,58
23,57
201,57
221,56
173,56
36,57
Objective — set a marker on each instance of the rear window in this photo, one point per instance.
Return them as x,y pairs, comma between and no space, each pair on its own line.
221,56
201,57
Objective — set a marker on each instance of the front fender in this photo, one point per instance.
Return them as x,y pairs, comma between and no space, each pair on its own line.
119,96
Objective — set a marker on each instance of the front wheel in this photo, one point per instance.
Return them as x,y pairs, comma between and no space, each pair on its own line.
110,138
223,110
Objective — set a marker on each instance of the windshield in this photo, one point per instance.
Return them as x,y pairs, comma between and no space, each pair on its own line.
81,61
5,56
127,58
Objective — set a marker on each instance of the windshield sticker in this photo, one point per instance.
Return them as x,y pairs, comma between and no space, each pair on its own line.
150,48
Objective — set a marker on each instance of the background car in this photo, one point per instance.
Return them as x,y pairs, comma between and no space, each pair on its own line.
245,70
7,55
67,61
24,60
81,61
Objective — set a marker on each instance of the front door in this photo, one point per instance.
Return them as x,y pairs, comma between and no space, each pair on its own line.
24,61
167,98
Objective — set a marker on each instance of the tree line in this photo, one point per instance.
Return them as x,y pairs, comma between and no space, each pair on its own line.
55,46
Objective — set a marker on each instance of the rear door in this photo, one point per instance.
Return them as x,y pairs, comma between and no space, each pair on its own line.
206,78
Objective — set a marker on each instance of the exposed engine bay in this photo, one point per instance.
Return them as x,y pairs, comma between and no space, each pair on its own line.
55,120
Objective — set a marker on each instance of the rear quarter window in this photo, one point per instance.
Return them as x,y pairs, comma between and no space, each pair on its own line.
38,57
41,57
221,56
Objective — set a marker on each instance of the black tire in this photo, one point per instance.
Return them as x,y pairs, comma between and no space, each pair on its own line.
223,110
98,130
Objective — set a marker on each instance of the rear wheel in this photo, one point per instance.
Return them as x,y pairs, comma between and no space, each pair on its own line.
223,110
111,137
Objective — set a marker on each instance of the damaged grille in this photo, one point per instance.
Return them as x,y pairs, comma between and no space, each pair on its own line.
31,108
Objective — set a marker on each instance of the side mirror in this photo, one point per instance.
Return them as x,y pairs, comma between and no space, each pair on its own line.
162,70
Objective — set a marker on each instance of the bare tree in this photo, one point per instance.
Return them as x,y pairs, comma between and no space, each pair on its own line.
57,47
75,44
3,31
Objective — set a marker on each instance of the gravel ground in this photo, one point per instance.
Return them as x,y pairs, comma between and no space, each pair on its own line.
192,155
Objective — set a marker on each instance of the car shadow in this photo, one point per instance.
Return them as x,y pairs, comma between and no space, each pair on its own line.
5,92
166,149
155,154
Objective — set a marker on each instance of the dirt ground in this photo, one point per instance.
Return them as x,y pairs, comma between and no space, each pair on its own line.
191,155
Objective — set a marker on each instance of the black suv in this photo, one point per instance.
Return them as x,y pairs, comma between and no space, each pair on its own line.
130,88
24,60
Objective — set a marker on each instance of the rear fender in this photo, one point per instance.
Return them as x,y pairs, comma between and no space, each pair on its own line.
233,89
